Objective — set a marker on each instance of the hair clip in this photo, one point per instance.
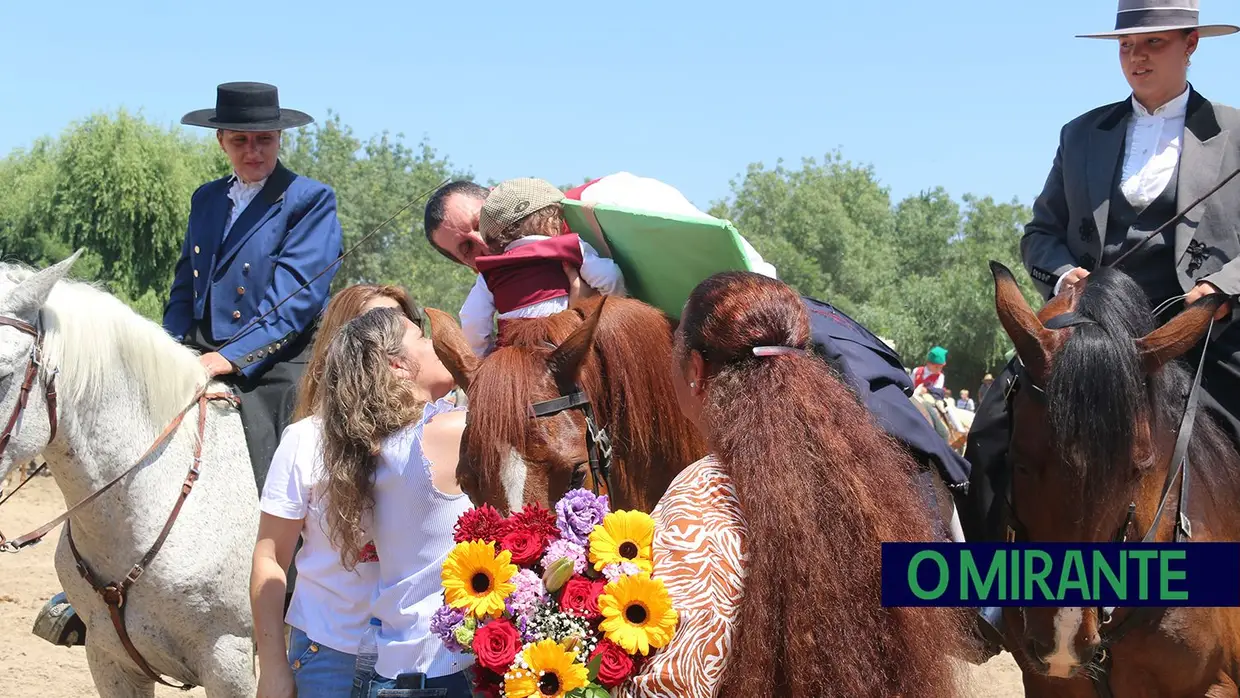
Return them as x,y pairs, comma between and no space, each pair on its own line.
775,351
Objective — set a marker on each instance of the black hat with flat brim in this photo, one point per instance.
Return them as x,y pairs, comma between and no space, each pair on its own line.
247,106
1153,16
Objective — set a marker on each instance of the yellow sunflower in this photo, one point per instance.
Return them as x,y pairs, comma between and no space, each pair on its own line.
624,536
637,613
545,670
478,580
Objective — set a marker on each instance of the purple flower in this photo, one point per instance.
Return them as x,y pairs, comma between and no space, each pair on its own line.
530,593
566,549
616,570
578,513
444,624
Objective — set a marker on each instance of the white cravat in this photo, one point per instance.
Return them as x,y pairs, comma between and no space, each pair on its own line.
241,194
1154,142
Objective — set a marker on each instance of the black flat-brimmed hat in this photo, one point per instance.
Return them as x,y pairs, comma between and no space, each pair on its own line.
1152,16
247,106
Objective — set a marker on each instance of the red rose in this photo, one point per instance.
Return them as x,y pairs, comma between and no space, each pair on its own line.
535,519
483,523
617,665
580,597
526,547
368,554
496,644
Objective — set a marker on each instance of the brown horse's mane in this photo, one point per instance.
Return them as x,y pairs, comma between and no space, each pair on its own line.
626,376
1099,395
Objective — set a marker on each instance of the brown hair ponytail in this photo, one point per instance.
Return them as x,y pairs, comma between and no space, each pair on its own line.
820,487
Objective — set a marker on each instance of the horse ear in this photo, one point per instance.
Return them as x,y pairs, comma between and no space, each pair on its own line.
452,348
1022,325
566,361
30,295
1180,334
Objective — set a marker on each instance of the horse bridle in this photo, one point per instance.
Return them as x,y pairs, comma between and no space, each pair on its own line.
1179,468
113,593
598,442
33,369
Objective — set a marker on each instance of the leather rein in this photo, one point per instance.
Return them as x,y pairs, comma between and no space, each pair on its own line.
113,594
598,442
1178,469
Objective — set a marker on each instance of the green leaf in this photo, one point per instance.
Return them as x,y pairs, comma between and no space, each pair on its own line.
592,691
594,665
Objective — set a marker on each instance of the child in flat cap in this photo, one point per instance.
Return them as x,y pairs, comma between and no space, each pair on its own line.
524,276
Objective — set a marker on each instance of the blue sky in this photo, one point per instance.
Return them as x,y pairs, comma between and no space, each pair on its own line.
968,94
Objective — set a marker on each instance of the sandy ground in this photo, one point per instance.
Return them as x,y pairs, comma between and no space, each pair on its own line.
33,668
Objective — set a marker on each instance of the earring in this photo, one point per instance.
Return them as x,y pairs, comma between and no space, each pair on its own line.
692,384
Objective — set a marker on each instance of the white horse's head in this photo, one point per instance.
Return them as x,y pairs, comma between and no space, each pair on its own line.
23,293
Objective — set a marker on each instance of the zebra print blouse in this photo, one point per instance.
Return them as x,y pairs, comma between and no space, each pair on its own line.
699,553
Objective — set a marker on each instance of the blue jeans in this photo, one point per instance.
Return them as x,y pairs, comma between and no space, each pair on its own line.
319,671
459,685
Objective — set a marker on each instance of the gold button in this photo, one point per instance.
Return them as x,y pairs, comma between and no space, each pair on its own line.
236,314
314,648
296,663
241,290
260,353
245,268
195,273
196,250
250,357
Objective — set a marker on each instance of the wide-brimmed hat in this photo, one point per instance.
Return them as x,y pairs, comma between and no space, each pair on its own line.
513,200
1151,16
247,106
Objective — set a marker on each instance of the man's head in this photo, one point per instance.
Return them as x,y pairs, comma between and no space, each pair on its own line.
451,221
253,154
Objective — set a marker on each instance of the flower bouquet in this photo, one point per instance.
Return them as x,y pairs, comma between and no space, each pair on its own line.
554,604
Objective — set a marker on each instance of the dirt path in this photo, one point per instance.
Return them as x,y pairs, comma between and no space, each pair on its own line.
33,668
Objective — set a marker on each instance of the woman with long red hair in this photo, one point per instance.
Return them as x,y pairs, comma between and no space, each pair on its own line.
770,545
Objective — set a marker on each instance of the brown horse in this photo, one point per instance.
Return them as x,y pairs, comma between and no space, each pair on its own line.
1096,415
618,352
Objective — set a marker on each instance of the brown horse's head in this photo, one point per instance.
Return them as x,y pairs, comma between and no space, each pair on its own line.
1095,417
618,352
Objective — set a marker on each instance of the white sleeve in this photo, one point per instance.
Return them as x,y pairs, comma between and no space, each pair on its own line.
285,491
478,317
940,381
601,273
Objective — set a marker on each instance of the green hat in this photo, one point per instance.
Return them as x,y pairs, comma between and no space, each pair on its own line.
512,201
937,355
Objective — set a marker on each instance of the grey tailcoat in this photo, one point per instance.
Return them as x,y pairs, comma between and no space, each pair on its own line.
1070,215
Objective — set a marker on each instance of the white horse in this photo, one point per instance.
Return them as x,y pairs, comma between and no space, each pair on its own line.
121,380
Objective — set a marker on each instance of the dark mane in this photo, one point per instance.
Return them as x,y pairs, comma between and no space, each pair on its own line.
1099,395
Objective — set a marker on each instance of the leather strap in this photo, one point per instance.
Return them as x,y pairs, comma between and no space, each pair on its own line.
13,546
114,593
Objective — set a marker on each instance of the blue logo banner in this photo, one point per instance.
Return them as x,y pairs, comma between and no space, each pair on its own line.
1061,574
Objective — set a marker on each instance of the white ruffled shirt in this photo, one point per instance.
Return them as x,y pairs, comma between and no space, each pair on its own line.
1151,152
241,194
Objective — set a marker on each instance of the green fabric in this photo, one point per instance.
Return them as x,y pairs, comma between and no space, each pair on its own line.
937,355
663,256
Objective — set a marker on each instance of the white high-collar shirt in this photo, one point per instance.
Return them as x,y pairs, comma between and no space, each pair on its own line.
1153,149
241,194
1151,153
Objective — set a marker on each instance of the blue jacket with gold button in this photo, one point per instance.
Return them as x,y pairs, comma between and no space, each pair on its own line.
285,236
